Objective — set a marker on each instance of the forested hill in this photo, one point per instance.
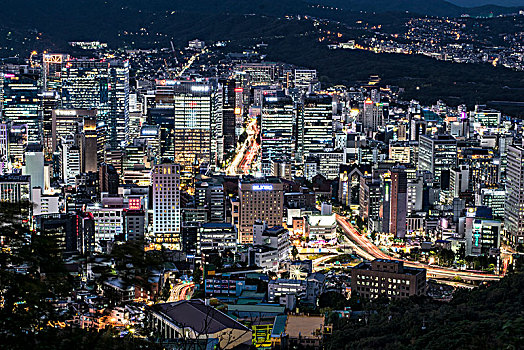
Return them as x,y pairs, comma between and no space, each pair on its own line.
491,317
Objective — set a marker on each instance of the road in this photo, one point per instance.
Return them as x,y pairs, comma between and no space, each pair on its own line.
188,64
364,248
181,291
246,153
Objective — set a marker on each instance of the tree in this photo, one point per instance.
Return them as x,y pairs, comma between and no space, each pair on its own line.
332,300
294,252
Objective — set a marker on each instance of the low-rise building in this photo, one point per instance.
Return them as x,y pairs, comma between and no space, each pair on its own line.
192,319
389,278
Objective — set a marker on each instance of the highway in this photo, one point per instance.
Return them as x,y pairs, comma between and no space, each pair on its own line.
246,153
367,250
181,291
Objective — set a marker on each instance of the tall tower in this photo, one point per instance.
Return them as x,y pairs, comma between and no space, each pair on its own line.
317,125
398,206
436,154
192,124
166,205
100,85
514,205
277,137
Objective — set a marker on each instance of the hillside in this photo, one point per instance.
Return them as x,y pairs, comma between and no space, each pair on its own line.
486,318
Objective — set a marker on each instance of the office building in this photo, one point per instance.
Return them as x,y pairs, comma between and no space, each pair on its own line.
70,161
192,125
21,101
484,238
389,278
492,198
261,199
437,153
373,115
316,128
167,218
15,188
217,237
101,85
398,203
277,125
514,205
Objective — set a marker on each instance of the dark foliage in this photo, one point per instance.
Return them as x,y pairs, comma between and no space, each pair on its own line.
490,317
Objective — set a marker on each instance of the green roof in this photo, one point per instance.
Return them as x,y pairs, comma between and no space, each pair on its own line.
279,326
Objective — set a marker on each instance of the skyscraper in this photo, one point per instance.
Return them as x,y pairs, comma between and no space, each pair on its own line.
192,124
166,205
373,115
316,124
228,90
436,154
100,85
398,204
22,101
514,206
118,118
277,136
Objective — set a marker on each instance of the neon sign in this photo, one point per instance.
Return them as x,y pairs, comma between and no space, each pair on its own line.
262,187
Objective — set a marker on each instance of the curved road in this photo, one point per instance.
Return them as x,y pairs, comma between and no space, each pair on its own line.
369,251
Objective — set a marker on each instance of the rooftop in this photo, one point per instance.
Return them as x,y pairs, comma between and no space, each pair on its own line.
198,316
304,326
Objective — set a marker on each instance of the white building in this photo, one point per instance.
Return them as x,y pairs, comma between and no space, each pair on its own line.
166,205
321,227
282,286
44,204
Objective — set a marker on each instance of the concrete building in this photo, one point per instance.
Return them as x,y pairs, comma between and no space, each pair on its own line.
260,199
398,204
436,154
513,211
217,236
167,218
389,278
188,320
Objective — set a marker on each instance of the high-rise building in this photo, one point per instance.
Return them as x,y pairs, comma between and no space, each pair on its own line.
118,118
108,178
34,165
304,78
70,161
166,205
261,199
192,124
373,115
104,86
277,136
15,188
315,125
398,205
514,207
22,101
437,153
228,92
67,122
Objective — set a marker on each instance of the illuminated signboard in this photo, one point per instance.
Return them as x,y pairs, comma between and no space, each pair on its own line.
135,204
56,59
149,132
238,111
262,187
200,88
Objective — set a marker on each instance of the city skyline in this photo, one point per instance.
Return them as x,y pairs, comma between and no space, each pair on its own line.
235,175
